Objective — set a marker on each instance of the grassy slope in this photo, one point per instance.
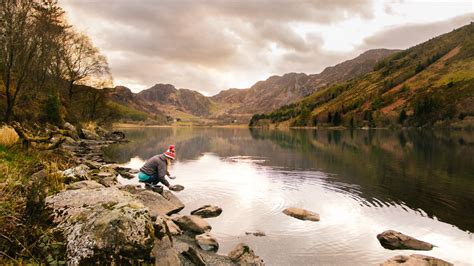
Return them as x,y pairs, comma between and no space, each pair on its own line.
432,81
26,236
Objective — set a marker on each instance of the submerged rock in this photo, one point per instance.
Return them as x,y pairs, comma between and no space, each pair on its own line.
207,242
102,225
256,233
192,223
391,239
415,260
207,211
301,214
244,255
158,204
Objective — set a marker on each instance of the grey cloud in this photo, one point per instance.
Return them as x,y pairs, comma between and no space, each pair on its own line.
200,44
203,45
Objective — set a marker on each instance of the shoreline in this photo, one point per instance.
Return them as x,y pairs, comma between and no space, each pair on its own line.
131,125
150,221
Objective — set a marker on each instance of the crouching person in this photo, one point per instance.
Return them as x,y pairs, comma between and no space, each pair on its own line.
155,169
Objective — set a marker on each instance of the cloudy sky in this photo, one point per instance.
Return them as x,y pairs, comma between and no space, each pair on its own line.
211,45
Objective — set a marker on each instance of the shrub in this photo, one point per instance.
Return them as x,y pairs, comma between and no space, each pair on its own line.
52,110
402,117
8,136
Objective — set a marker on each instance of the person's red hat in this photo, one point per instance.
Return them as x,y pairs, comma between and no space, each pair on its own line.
171,148
170,154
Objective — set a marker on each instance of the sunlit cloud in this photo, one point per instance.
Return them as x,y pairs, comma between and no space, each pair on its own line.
213,45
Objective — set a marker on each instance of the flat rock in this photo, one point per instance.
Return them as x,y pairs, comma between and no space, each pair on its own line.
207,242
244,255
77,173
165,221
301,214
176,187
415,260
100,224
192,223
391,239
165,254
88,134
194,257
85,184
93,164
158,204
207,211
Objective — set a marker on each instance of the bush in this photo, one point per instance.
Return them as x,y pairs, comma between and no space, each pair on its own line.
52,110
8,136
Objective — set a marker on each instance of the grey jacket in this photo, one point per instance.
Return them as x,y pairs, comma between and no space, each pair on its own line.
155,166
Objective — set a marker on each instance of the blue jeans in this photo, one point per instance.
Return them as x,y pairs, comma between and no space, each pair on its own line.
155,179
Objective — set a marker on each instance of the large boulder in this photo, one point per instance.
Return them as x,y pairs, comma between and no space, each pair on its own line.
301,214
207,242
244,255
191,223
102,225
158,204
207,211
391,239
415,260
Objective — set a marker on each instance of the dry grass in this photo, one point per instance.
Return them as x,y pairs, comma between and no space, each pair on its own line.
8,136
90,126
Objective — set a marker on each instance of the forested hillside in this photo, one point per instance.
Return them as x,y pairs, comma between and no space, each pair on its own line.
49,71
429,84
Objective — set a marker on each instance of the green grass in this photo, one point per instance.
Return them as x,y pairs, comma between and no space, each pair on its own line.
119,111
25,232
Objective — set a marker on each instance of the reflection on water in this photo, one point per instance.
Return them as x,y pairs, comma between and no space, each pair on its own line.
360,182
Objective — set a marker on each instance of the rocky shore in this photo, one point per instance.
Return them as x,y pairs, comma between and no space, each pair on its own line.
102,221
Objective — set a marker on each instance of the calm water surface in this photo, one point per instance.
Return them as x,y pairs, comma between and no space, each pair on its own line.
360,182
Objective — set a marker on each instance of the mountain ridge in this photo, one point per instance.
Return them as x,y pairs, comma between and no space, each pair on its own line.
240,104
431,83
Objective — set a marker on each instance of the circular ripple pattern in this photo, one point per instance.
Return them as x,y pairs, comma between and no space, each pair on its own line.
253,196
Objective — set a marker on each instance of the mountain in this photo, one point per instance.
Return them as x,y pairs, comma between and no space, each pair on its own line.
276,91
167,96
429,84
164,100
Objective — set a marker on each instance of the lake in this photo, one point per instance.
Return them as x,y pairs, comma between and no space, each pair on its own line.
361,182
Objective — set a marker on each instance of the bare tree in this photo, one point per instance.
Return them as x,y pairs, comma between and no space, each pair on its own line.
29,32
82,62
18,45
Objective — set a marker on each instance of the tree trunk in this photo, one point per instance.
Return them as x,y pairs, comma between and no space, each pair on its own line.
71,91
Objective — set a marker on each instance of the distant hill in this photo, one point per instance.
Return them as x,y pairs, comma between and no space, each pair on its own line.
429,84
240,104
265,96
